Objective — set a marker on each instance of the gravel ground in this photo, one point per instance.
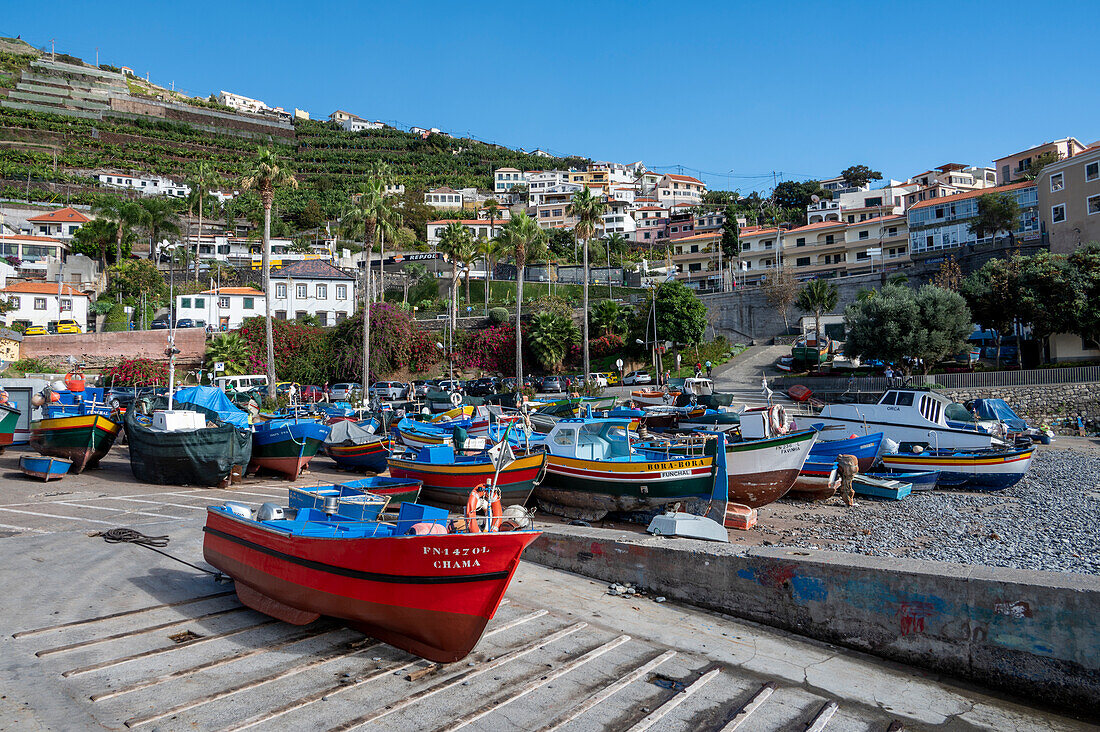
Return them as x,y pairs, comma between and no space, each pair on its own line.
1046,521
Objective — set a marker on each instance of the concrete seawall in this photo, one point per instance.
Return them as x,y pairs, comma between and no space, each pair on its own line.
1032,633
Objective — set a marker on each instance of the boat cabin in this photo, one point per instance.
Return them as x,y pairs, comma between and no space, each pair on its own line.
590,439
698,386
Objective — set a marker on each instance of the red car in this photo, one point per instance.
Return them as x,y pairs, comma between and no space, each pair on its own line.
312,393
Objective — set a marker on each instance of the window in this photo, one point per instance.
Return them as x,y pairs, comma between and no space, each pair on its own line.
1092,171
876,201
905,398
280,315
39,303
862,255
223,302
301,290
322,292
1057,182
1058,213
300,314
280,290
66,303
322,318
828,239
200,302
800,241
1093,204
341,292
249,303
185,302
864,234
939,213
340,316
13,300
802,262
892,231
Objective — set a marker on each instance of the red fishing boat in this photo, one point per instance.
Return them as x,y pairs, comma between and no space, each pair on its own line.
409,583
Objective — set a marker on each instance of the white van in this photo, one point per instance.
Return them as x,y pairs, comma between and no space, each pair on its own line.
241,383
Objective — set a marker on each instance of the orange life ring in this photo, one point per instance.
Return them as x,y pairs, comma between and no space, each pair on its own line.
3,396
495,510
74,381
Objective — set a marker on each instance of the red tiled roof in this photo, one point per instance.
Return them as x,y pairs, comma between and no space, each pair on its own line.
686,178
233,291
972,194
876,222
818,225
61,215
707,235
475,222
41,288
26,237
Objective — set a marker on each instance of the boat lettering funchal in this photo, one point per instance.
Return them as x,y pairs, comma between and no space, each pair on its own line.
317,421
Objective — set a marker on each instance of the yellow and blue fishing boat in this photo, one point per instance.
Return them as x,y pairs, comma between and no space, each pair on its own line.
77,427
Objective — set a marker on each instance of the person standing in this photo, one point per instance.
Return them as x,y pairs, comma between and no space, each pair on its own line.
709,367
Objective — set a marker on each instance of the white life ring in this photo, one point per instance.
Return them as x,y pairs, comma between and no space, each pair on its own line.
456,398
777,419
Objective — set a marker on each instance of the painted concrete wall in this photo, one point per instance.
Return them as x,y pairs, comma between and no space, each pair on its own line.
95,349
1032,633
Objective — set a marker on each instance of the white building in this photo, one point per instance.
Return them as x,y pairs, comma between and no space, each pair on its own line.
148,185
38,303
242,103
673,189
59,224
618,219
505,178
443,197
32,251
478,228
224,308
354,123
313,287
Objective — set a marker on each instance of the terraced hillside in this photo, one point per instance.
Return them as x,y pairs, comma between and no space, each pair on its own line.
62,121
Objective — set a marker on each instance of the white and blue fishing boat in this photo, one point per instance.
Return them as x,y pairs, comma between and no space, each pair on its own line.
923,480
350,503
286,445
816,481
977,469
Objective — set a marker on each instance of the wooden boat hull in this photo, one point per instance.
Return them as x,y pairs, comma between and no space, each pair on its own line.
924,480
370,456
428,595
417,438
762,471
591,488
890,489
980,471
83,439
286,446
44,468
815,481
9,417
865,449
448,485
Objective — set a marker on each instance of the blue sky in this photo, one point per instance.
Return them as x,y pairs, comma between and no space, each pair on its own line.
804,89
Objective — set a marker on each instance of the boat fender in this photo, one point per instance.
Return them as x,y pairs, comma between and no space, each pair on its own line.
777,419
74,381
480,499
425,528
456,398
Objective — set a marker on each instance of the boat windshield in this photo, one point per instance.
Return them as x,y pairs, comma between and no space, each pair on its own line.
956,412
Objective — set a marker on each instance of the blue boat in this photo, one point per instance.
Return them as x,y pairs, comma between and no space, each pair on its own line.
286,445
351,503
864,448
924,480
46,468
357,445
895,490
342,410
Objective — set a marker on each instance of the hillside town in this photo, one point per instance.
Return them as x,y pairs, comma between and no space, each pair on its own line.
329,421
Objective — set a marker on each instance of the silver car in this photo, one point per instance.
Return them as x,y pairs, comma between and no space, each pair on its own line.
388,390
637,377
345,390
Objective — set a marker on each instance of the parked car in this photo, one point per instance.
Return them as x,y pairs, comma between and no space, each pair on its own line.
189,323
612,377
637,377
508,383
67,326
421,387
598,379
484,386
35,330
449,385
388,390
552,384
283,387
160,324
344,390
311,393
124,396
531,381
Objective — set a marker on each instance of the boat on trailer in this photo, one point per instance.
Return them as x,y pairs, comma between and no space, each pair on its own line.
412,583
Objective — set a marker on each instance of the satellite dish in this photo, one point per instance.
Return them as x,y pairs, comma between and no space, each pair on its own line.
815,198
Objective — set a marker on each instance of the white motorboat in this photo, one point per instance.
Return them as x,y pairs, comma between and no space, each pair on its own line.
909,415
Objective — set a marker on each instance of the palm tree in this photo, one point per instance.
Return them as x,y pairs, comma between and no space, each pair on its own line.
455,241
266,175
230,349
490,250
95,238
817,297
523,237
203,179
123,214
588,210
608,316
161,218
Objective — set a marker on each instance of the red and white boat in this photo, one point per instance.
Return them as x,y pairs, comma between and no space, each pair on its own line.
409,583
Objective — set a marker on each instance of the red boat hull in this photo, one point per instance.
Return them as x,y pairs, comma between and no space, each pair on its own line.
429,595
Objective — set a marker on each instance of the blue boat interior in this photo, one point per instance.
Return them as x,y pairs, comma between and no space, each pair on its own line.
315,523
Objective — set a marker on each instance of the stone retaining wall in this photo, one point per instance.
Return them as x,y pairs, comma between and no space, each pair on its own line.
98,350
1031,633
1039,404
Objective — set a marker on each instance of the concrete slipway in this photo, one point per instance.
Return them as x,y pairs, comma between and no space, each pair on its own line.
113,636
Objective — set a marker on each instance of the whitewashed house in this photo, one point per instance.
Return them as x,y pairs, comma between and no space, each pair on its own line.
443,197
59,224
478,228
39,303
147,185
225,307
313,287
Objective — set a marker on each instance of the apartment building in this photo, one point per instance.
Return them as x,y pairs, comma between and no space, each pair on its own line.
541,181
352,122
251,106
313,287
651,225
815,250
697,261
1069,200
759,249
32,251
505,178
944,223
443,197
838,185
618,219
146,185
681,223
881,242
225,307
1015,167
